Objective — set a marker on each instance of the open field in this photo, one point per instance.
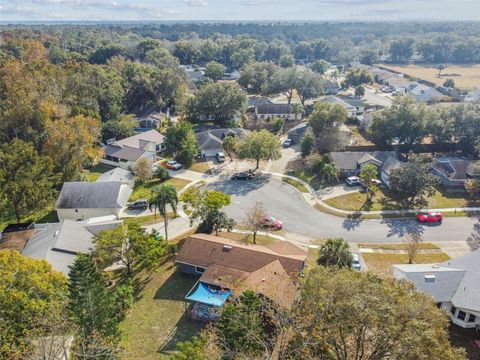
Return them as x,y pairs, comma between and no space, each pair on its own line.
465,76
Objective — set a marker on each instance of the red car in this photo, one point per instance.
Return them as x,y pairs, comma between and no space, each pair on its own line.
429,217
269,222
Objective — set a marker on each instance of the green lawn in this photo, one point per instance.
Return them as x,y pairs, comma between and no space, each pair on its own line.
399,246
300,187
147,219
314,181
157,321
381,263
384,200
201,166
46,215
93,173
144,190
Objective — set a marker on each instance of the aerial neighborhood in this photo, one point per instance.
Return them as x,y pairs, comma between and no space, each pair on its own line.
204,190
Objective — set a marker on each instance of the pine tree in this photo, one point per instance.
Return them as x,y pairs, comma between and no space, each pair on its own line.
93,311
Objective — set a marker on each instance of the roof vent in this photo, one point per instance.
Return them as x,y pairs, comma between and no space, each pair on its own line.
227,248
430,278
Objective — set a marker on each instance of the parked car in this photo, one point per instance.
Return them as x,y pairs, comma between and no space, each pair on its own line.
220,157
387,89
269,222
172,165
426,216
138,205
353,181
287,143
242,176
375,182
356,262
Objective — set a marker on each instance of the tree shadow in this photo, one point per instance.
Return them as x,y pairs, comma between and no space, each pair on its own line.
353,221
404,227
239,187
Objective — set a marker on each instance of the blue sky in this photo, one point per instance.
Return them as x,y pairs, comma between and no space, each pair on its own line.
377,10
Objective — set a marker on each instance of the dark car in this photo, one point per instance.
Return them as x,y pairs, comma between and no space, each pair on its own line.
138,205
242,176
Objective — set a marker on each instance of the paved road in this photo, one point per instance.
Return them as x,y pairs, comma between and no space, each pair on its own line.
285,203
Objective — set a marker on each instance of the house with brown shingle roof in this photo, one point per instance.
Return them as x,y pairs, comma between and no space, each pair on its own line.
226,268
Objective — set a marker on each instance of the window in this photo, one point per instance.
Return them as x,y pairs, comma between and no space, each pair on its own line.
462,315
199,270
471,318
453,310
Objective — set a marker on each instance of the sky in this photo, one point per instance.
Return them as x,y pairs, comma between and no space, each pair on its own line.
227,10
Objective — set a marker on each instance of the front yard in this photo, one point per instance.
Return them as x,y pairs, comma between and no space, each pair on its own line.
157,321
144,190
385,200
201,166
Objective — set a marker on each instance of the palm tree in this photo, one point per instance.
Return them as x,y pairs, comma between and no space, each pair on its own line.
163,196
328,171
335,252
368,173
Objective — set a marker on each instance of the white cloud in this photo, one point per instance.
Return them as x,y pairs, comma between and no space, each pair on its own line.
196,2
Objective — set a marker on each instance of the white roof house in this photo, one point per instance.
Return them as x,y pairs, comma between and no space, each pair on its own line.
425,93
455,284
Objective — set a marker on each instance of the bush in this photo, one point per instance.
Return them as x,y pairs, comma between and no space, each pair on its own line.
161,173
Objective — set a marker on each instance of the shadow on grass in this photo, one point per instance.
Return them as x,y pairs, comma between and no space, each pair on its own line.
174,289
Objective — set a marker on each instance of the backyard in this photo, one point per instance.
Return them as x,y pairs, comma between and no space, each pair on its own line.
385,200
466,77
93,173
157,321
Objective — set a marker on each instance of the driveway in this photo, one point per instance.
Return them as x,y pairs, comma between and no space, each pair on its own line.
285,202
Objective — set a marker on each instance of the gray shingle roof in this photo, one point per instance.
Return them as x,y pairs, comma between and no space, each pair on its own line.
116,174
123,152
279,109
456,280
454,168
213,138
335,100
349,160
93,195
58,243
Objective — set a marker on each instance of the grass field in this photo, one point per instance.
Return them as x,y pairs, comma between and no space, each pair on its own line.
383,200
465,76
157,321
381,263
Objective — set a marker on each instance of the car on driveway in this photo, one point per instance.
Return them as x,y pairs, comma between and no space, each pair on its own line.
269,222
138,205
353,181
220,157
172,165
356,262
429,217
287,143
242,176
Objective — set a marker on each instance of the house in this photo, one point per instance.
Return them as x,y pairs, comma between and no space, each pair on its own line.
210,141
473,95
118,175
15,236
453,284
350,162
268,111
390,164
126,152
296,133
351,110
399,84
152,120
226,268
85,200
331,87
382,76
454,171
258,100
366,119
59,243
424,93
353,101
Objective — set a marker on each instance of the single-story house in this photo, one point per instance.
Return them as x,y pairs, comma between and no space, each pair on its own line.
350,162
210,141
85,200
425,93
331,87
255,100
59,243
454,171
390,164
351,110
400,84
152,120
226,268
126,152
296,133
473,95
382,76
118,175
453,284
268,111
357,102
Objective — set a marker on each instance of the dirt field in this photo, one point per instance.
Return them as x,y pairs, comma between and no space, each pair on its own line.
466,77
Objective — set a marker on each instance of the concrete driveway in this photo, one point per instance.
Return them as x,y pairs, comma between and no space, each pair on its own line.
285,202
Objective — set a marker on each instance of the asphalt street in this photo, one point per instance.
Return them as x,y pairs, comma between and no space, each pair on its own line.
285,203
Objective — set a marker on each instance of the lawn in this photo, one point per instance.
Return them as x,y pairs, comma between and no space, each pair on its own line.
300,187
400,246
261,239
144,190
157,321
147,219
200,166
381,263
384,200
314,181
465,76
93,173
45,215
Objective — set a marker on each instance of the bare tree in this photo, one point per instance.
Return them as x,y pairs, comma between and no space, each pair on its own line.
412,244
254,219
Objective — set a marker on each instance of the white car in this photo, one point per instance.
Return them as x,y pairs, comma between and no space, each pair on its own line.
353,181
287,143
356,262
